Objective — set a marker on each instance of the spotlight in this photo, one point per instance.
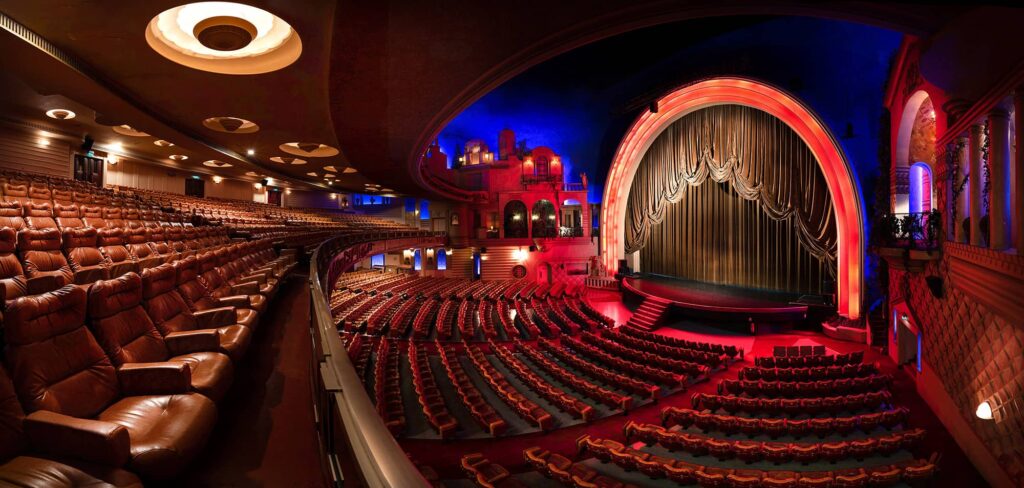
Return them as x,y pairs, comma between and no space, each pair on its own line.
217,179
251,152
984,411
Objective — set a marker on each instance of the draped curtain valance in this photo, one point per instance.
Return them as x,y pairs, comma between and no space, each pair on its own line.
757,154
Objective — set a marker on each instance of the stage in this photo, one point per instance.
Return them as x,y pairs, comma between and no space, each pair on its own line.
718,302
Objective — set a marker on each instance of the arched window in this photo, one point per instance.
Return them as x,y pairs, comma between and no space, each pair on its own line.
516,220
544,219
920,188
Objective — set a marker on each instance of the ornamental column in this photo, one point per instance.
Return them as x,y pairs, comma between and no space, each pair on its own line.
999,164
1017,186
963,197
974,184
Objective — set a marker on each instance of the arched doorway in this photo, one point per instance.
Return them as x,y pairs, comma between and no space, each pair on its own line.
515,220
838,175
544,219
921,189
915,144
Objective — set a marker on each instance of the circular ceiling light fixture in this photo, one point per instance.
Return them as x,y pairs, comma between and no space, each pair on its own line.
213,163
312,173
60,114
178,157
163,143
127,130
332,169
287,160
349,170
308,149
224,37
231,125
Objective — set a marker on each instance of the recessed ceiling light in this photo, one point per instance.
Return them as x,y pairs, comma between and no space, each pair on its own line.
250,173
308,149
163,143
287,160
312,173
332,169
178,157
213,163
224,37
127,130
60,114
349,170
251,152
231,125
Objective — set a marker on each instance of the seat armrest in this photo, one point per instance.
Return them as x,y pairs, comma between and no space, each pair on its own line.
216,317
239,301
166,378
259,278
247,288
189,341
95,441
42,284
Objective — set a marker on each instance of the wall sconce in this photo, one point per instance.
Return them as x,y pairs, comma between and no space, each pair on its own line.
517,217
288,191
518,254
217,179
551,217
984,411
44,141
534,217
112,159
258,186
333,196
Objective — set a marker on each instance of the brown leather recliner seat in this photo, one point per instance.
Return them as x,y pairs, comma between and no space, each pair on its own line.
111,244
191,238
62,196
12,215
14,192
125,331
40,193
86,260
138,246
42,259
214,281
58,367
68,216
149,218
28,449
198,297
81,198
236,271
93,216
113,217
175,239
171,314
157,241
39,215
132,218
12,275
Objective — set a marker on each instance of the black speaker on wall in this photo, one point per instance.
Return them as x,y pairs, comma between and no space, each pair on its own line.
87,143
265,182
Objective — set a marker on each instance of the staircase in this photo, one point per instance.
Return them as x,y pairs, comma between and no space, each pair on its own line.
878,323
649,314
460,264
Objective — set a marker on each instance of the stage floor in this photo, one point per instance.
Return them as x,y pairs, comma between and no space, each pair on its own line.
718,300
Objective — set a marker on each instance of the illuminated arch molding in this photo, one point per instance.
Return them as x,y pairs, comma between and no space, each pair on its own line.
736,91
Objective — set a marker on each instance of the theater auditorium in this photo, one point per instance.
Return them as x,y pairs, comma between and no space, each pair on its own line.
479,243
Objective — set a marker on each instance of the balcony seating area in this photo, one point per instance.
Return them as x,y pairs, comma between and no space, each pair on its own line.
778,427
568,473
487,474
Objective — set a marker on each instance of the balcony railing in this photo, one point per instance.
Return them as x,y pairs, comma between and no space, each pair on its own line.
920,230
570,232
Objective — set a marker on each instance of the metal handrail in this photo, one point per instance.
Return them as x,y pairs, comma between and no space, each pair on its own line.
380,459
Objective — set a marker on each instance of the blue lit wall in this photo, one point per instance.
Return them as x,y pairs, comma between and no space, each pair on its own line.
581,103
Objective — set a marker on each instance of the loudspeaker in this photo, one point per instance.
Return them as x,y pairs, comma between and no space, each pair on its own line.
934,285
87,143
533,248
265,181
653,107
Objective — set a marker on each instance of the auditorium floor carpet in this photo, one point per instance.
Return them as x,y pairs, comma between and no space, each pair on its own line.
265,433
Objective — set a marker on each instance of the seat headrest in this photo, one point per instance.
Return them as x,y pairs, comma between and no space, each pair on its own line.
111,212
158,280
207,261
185,270
15,190
111,237
8,240
66,210
91,211
109,297
11,209
155,235
137,235
42,209
39,240
85,237
36,318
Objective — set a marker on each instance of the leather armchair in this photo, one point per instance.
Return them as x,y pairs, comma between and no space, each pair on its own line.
39,215
111,244
12,215
141,251
214,281
12,275
113,216
86,260
62,196
165,431
198,297
92,216
41,257
124,330
68,216
17,193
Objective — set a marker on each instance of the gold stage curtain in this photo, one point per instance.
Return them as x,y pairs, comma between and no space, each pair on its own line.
731,195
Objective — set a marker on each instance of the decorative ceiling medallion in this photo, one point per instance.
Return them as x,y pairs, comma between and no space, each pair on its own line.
163,143
178,157
60,114
250,173
213,163
308,149
287,160
231,125
332,169
127,130
349,170
224,37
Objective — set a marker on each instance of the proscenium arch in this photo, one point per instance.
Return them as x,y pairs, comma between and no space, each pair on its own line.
838,174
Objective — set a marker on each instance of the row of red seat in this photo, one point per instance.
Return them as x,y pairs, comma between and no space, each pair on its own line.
541,318
777,427
446,317
486,474
792,406
532,330
425,316
487,323
624,335
565,401
127,371
466,319
428,395
642,356
623,365
380,319
575,381
568,473
856,357
557,315
916,472
874,382
482,411
613,378
808,374
776,452
526,408
401,320
388,387
729,351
